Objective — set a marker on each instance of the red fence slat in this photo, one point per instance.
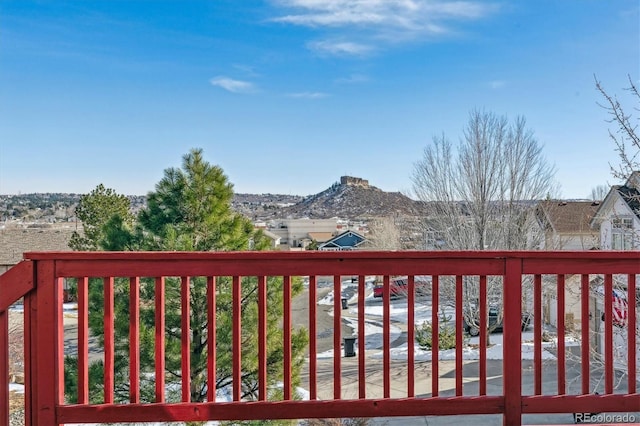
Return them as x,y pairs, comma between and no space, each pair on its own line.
108,340
584,325
459,335
83,340
631,335
337,335
435,345
483,336
4,368
211,339
286,324
159,338
386,337
362,385
134,340
562,376
537,333
608,333
262,338
410,336
313,333
185,338
236,332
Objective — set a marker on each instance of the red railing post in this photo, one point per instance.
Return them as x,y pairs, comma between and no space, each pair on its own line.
47,380
512,375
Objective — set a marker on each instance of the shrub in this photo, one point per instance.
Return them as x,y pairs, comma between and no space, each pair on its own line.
446,335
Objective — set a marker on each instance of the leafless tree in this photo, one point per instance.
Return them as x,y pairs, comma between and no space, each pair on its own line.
624,136
599,192
384,234
482,193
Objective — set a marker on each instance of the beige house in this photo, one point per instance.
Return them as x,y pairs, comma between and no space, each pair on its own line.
567,225
298,233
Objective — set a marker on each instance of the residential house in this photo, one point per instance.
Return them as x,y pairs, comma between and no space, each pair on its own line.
619,216
566,225
348,240
19,239
297,234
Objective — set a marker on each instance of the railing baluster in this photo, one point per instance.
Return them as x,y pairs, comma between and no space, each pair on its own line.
386,337
313,336
83,340
337,335
435,301
483,335
4,368
134,340
237,338
537,333
584,326
262,338
108,340
159,338
459,334
211,339
362,384
411,337
185,338
561,335
30,360
608,333
286,322
631,335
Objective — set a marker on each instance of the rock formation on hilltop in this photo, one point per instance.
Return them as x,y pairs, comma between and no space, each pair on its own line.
351,198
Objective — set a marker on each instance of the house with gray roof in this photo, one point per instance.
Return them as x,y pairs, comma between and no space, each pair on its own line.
619,216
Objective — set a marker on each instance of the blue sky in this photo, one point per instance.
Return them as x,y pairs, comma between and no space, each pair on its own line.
289,95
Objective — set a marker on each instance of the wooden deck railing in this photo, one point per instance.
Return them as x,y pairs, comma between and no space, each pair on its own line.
533,281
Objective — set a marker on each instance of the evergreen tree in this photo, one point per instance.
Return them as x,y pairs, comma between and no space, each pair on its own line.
190,210
96,210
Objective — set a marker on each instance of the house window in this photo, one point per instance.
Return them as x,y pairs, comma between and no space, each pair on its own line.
622,233
622,223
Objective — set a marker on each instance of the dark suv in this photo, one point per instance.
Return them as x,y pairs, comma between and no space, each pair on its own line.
493,324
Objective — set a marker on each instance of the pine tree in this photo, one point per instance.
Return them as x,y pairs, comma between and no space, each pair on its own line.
190,210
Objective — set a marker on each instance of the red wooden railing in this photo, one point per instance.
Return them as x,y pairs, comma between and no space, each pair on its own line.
39,281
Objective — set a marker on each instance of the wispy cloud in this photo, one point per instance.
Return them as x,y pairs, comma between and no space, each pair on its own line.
378,21
497,84
340,48
353,79
308,95
234,86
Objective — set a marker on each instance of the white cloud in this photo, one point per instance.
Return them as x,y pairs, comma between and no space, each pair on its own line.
308,95
234,86
497,84
353,79
380,20
339,48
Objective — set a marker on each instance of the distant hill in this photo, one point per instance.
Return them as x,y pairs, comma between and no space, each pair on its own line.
351,198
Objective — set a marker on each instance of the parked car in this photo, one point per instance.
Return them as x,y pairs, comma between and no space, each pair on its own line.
398,286
493,324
